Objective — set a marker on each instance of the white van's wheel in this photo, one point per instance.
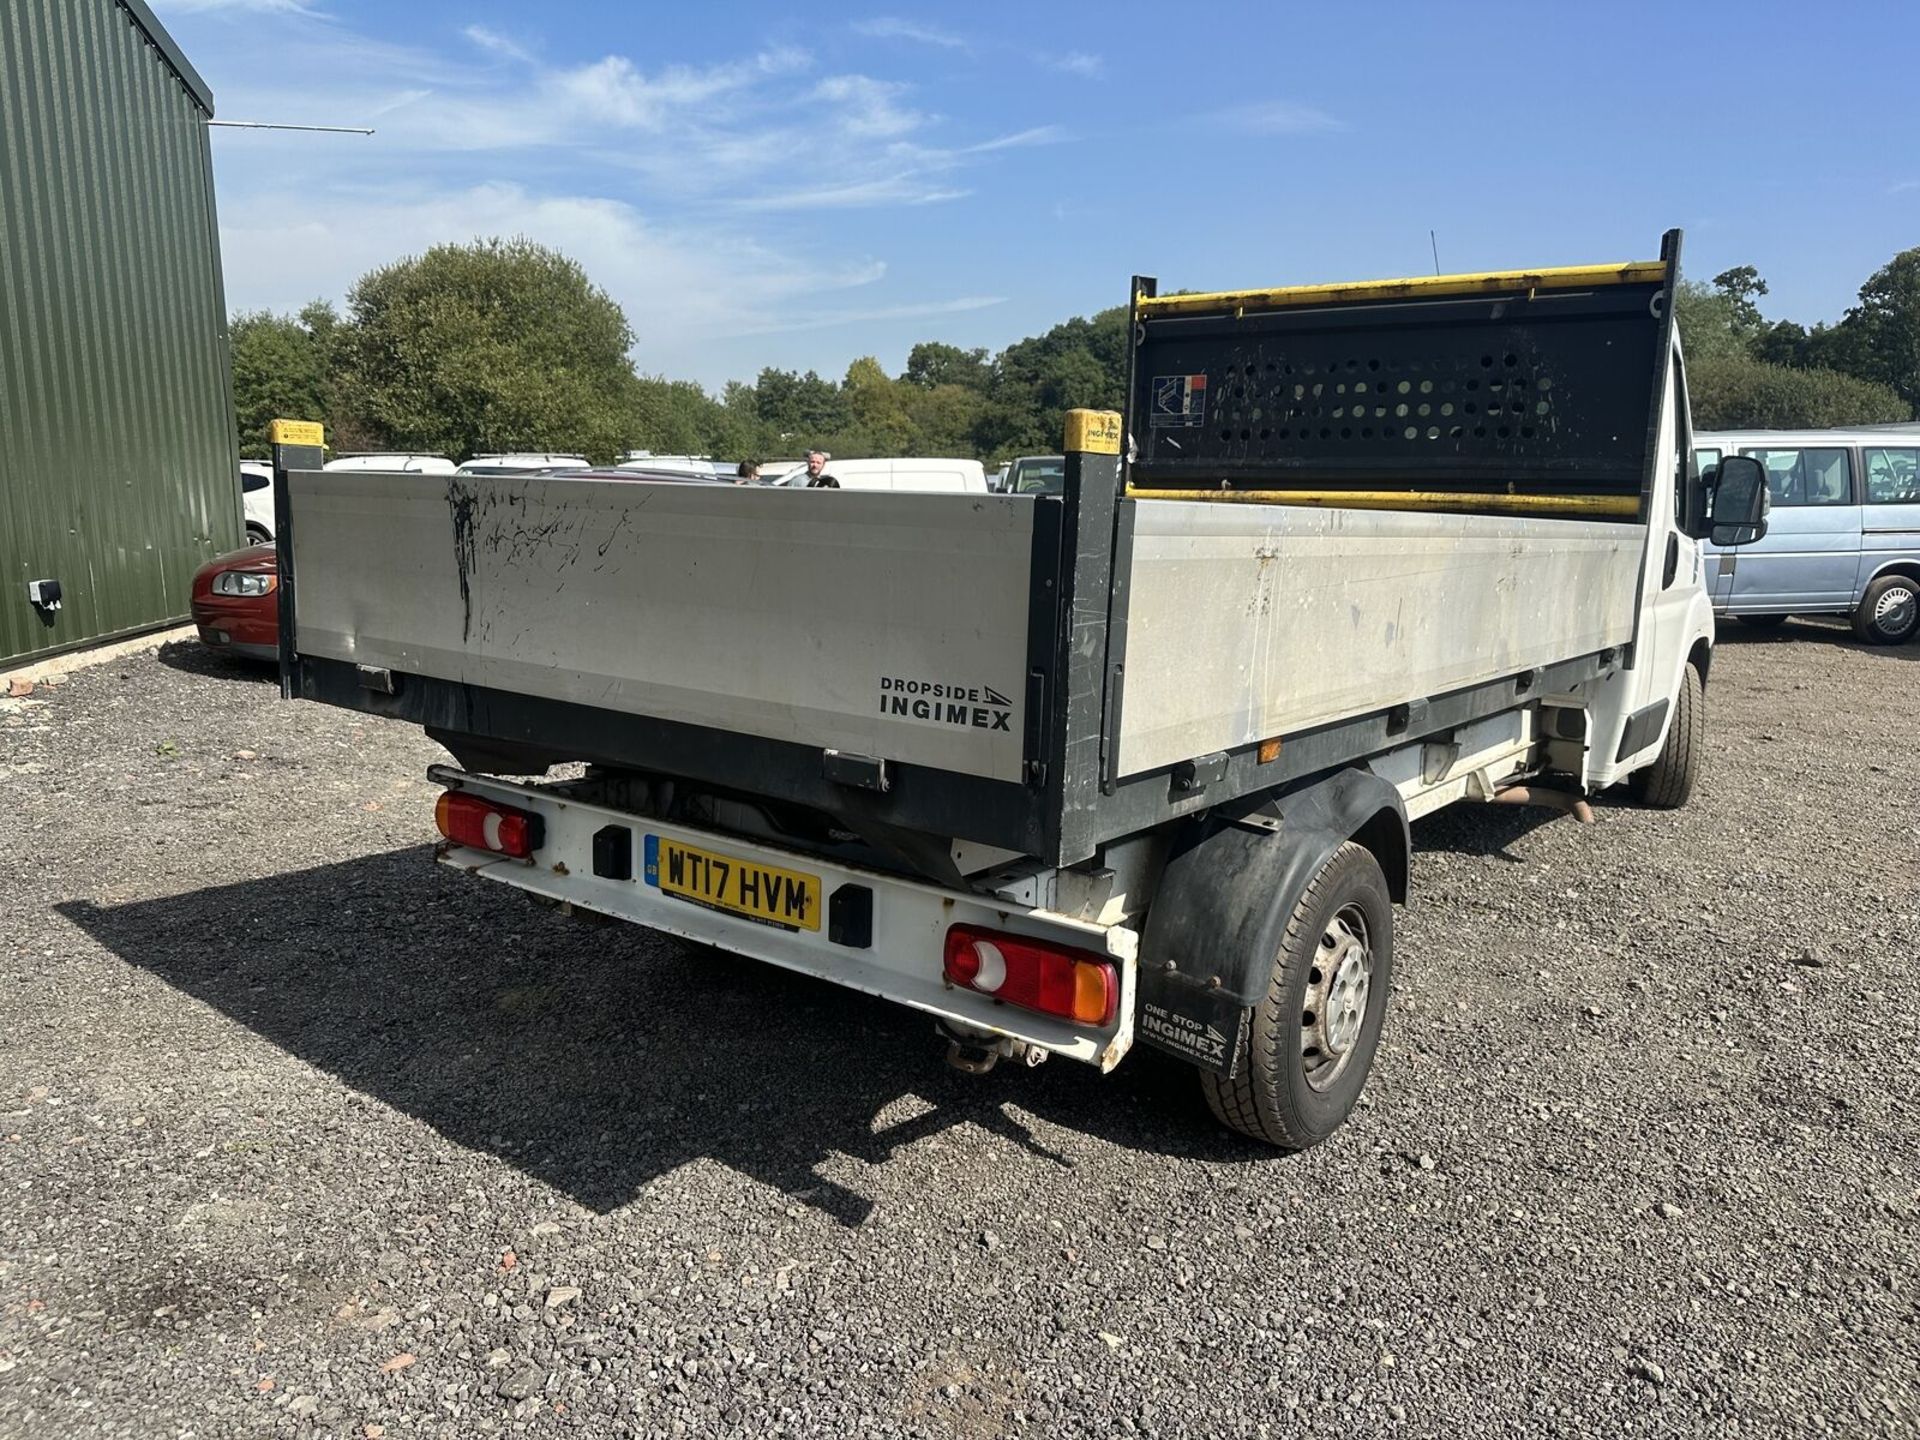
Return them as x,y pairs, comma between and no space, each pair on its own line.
1667,784
1889,613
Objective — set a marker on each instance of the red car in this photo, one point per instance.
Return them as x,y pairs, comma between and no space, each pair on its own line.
235,603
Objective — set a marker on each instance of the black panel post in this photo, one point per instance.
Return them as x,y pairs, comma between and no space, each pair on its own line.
297,445
1092,447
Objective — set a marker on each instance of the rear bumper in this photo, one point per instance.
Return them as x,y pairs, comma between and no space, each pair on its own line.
910,920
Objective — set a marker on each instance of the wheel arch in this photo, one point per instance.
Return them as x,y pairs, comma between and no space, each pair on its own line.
1232,880
1910,568
1700,657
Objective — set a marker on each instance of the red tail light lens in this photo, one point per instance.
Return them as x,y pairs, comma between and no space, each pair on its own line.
482,825
1076,985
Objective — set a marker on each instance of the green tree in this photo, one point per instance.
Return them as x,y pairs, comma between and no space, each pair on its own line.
944,418
798,410
1742,287
876,411
1880,336
1079,362
1737,392
493,346
280,371
1706,321
933,362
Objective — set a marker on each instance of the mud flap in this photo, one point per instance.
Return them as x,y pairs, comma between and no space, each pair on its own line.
1206,1028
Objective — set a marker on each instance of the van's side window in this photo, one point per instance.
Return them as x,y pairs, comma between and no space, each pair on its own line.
1817,475
1893,475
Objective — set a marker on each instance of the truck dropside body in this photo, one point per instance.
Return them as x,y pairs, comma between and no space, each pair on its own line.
1426,530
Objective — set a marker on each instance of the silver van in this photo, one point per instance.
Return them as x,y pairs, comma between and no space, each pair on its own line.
1843,536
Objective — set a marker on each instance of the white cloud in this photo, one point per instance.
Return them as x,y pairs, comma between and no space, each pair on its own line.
1037,135
1900,187
668,183
1077,62
867,107
889,190
500,44
677,286
892,27
1277,117
827,319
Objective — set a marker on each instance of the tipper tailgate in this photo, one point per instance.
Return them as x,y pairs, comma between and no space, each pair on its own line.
884,625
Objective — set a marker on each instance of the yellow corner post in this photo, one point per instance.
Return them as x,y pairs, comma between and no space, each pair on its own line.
296,432
1093,432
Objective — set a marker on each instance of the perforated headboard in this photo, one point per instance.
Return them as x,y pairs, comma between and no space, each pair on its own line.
1514,384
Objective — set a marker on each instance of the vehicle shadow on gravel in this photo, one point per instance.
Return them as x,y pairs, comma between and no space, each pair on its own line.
1483,831
599,1058
194,658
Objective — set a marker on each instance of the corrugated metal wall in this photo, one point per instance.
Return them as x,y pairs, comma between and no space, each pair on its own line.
117,449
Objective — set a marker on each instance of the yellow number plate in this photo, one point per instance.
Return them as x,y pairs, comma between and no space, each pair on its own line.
765,893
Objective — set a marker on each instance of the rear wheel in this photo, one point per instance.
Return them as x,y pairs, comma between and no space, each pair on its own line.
1762,622
1312,1038
257,534
1889,613
1667,784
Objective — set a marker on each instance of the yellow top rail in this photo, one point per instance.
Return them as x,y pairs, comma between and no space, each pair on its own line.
1420,287
1613,507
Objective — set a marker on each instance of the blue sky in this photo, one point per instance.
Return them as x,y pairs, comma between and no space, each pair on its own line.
761,184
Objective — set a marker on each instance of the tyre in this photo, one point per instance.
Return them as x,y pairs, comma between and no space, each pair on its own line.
1311,1040
1762,622
1889,613
257,536
1667,784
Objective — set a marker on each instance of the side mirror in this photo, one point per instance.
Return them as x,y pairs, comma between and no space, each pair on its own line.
1739,501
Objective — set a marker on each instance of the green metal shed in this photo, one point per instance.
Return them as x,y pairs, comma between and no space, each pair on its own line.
118,461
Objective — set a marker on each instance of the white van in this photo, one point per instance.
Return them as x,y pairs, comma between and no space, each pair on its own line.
526,462
950,476
406,462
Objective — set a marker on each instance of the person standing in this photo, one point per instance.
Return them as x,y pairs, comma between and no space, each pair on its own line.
817,477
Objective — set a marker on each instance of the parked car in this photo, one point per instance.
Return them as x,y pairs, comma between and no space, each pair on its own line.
236,604
1844,537
1037,475
522,463
901,474
256,499
680,466
638,472
408,462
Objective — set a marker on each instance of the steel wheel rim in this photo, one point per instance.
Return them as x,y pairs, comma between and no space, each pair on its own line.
1896,610
1333,1018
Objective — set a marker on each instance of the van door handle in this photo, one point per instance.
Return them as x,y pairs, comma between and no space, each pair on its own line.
1673,561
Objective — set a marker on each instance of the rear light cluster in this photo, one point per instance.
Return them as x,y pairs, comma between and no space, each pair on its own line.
1075,985
482,825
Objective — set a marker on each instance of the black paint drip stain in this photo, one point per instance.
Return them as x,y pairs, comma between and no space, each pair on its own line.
463,502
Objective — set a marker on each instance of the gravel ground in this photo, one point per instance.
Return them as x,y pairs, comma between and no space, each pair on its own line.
302,1136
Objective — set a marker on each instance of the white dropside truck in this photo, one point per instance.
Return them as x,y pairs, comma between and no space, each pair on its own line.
1131,763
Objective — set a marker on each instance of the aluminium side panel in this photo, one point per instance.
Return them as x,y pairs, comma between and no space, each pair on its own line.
1252,621
117,448
893,626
